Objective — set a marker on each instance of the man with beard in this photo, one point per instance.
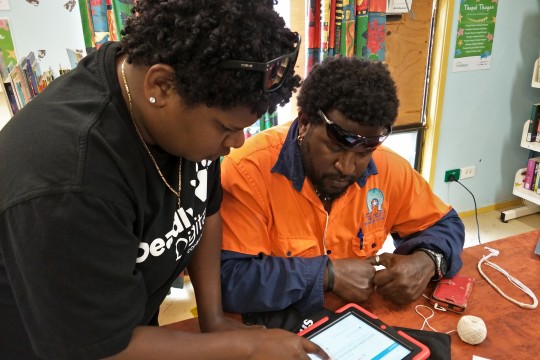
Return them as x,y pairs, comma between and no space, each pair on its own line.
308,205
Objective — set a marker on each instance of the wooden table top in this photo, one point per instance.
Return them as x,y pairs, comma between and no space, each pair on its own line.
512,332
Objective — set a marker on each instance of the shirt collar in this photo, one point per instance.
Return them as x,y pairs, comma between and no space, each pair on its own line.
289,162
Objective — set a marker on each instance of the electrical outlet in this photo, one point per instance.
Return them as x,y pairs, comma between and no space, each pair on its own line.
455,173
468,172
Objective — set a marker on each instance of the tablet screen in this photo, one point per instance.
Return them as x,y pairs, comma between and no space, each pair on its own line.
353,339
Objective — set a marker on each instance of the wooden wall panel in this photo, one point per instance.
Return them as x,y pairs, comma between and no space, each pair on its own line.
407,42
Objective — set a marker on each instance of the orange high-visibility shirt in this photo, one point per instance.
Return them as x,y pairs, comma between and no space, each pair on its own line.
264,213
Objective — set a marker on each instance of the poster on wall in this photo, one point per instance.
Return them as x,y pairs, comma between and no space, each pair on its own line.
6,43
475,34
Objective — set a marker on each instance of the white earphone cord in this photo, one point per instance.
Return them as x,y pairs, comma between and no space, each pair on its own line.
513,280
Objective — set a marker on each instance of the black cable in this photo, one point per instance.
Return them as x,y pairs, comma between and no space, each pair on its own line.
451,178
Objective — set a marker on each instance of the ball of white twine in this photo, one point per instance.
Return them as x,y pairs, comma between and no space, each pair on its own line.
471,329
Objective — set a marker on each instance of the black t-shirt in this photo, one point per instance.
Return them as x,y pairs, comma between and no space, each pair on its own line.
90,237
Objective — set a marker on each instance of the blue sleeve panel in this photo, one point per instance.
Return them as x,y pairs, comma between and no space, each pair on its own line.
258,283
446,236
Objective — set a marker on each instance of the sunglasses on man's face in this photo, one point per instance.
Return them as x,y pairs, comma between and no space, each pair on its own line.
352,141
275,71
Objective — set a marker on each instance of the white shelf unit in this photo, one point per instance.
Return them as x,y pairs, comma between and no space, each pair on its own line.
531,200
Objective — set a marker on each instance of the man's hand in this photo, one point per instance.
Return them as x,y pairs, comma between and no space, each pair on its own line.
353,279
405,277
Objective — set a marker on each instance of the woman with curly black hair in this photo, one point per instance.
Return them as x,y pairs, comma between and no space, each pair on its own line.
110,186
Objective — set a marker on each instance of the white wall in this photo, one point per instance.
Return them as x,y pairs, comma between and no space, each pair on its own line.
48,26
484,111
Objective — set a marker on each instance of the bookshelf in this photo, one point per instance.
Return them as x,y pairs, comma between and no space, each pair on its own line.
531,199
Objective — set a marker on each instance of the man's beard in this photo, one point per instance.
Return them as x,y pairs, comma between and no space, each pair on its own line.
318,179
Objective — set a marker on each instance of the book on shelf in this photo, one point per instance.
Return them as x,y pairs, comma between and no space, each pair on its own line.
111,23
11,96
332,29
87,25
532,167
536,185
314,34
98,9
376,34
122,10
325,28
337,26
360,36
20,83
534,179
532,131
348,28
32,72
10,84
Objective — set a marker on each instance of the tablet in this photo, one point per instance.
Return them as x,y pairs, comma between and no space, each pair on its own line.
354,333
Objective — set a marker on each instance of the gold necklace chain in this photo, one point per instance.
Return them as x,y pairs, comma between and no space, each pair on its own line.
177,193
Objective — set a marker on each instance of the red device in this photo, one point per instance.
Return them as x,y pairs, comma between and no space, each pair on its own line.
452,294
355,333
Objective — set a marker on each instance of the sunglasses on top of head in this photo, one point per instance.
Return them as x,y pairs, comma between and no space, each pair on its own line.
274,71
352,141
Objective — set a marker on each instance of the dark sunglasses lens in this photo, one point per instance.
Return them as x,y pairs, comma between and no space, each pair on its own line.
351,141
371,143
276,72
336,133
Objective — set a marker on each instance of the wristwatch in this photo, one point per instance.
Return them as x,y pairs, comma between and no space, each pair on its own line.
440,263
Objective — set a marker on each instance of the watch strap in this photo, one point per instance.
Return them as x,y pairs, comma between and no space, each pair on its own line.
438,260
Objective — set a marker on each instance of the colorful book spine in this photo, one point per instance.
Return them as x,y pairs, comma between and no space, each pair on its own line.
31,68
87,26
314,34
529,173
325,30
534,182
337,31
17,85
348,28
111,24
99,19
23,81
11,83
360,36
535,119
122,10
536,187
532,130
12,97
376,34
332,29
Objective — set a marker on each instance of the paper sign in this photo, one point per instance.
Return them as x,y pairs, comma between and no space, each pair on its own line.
475,34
